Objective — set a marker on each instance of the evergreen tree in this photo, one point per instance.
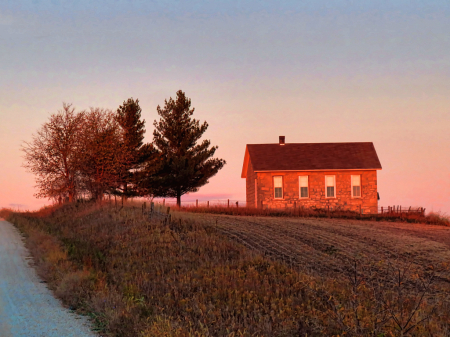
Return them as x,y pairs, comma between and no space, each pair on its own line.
129,118
182,165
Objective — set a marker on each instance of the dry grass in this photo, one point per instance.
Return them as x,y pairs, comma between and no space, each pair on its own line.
206,275
431,219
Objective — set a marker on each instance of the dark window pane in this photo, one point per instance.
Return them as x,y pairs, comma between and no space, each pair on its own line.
304,192
330,191
278,192
356,191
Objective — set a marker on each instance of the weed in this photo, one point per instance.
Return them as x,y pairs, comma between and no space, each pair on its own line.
137,276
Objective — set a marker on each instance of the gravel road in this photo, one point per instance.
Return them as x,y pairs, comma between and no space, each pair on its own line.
27,307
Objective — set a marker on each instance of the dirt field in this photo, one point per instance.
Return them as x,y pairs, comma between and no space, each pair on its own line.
330,246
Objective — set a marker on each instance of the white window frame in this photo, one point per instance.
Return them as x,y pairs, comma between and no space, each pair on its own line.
300,187
282,187
256,192
334,185
360,189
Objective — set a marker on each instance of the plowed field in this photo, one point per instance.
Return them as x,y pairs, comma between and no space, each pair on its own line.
330,247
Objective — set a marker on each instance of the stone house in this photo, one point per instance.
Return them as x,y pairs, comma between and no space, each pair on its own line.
322,175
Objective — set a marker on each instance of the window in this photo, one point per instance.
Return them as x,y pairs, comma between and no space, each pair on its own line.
356,186
303,183
256,193
278,187
330,183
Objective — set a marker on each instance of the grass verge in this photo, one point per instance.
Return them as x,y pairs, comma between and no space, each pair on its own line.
137,276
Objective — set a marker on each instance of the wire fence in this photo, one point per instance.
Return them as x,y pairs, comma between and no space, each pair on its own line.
394,210
203,203
397,209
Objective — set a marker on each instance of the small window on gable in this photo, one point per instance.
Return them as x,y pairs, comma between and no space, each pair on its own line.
330,186
303,183
356,186
278,187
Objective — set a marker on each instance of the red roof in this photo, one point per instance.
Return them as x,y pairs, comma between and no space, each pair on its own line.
311,156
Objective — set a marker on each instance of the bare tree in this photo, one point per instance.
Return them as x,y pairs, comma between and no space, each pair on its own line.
104,154
53,154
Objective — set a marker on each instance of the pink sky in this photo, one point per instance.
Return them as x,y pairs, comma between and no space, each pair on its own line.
343,74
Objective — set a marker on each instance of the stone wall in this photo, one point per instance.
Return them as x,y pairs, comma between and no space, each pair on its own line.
250,186
368,202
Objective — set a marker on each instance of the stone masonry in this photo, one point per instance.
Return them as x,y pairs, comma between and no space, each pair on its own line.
367,203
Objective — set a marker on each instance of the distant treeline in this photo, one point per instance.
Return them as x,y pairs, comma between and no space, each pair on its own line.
97,152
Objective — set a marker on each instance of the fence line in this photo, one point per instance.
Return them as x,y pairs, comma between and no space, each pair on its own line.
203,203
397,209
231,203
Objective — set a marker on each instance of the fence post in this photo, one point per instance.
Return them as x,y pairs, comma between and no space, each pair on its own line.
207,204
164,202
237,204
360,210
228,203
381,209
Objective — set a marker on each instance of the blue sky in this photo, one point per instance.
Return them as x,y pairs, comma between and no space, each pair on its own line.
316,7
315,71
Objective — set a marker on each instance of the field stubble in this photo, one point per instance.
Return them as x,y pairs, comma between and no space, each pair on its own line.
213,275
331,246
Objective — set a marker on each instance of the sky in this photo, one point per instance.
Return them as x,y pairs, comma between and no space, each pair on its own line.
313,71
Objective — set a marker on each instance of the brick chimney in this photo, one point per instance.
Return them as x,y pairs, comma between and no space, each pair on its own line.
282,140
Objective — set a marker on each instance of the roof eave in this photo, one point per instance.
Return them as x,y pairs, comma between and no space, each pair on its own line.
245,164
353,169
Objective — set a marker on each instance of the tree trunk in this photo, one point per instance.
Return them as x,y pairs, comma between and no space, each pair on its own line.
179,198
125,191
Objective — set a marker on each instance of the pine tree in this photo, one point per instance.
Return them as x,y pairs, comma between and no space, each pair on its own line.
182,165
129,118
